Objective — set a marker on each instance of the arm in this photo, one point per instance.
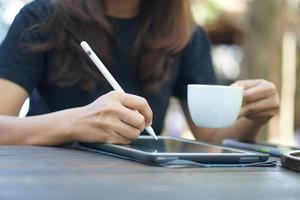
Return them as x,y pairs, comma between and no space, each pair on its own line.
111,119
27,131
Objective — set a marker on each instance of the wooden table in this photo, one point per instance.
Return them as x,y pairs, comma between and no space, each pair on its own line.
56,173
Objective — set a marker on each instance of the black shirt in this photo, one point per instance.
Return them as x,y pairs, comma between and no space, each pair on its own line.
193,65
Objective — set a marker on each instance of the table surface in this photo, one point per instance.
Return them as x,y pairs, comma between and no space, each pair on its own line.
62,173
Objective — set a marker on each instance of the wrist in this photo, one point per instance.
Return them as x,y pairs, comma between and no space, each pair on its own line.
52,129
69,124
251,130
254,123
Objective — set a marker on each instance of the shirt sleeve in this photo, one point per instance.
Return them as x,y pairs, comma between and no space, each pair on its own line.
17,64
196,64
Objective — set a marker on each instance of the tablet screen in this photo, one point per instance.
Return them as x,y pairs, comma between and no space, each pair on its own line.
164,145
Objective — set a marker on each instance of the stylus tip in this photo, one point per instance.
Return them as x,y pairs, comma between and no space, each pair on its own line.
151,132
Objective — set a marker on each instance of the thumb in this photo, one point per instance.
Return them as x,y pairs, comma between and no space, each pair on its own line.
246,84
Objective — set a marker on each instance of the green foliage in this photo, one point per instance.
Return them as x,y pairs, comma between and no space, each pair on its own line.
206,13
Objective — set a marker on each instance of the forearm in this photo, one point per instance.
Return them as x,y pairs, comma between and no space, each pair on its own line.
243,130
48,129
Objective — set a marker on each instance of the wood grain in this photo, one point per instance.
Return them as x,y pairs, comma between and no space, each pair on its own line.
61,173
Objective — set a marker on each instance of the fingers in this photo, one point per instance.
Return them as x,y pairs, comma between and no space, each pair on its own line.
264,90
259,106
116,138
127,131
140,104
262,117
264,114
261,91
132,118
124,122
246,84
113,130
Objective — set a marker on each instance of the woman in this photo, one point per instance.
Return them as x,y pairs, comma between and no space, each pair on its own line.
153,48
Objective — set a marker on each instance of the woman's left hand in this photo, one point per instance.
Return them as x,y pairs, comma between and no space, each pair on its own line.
261,100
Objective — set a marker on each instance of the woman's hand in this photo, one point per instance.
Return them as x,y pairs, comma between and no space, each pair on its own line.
112,118
261,100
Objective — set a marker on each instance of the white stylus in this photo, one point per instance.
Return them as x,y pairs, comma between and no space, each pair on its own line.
86,47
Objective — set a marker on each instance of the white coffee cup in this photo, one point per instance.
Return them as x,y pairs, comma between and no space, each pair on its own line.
214,106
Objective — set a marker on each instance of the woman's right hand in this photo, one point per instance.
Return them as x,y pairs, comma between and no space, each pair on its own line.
112,118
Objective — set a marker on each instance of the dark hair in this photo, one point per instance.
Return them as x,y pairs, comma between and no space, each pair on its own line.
165,27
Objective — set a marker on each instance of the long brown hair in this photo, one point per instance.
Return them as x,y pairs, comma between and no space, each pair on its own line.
165,27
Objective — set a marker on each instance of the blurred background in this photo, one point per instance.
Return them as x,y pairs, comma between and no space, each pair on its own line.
257,39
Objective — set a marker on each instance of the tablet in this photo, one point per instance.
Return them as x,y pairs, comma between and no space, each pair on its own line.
147,149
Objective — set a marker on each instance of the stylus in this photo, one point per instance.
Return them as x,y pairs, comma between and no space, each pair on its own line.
86,47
